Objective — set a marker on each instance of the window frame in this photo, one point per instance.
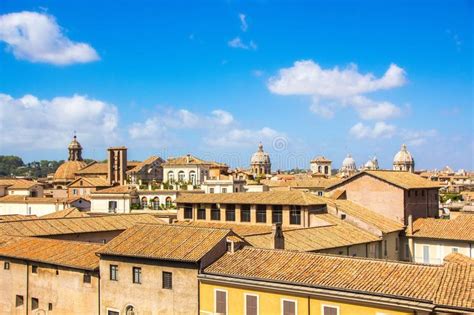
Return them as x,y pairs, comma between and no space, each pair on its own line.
112,310
163,273
86,276
226,300
282,304
296,209
230,213
19,297
245,210
332,306
245,302
136,275
216,210
6,265
36,300
188,211
201,213
34,269
262,211
115,273
277,210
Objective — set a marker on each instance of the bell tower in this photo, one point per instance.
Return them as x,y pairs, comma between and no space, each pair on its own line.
75,150
117,165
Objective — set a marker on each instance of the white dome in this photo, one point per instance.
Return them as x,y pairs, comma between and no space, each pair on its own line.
372,164
349,163
260,157
403,156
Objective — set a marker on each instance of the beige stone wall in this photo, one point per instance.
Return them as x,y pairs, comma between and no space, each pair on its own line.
422,203
438,249
360,250
66,290
149,298
376,195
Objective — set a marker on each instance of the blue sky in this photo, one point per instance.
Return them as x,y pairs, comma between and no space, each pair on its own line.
214,78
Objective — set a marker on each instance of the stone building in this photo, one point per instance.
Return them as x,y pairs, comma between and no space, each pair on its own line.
260,163
321,165
186,169
153,268
66,172
372,164
404,161
393,194
117,165
146,172
45,276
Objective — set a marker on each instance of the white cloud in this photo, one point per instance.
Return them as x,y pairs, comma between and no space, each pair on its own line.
243,23
369,109
417,137
37,37
346,86
379,130
238,43
236,137
33,123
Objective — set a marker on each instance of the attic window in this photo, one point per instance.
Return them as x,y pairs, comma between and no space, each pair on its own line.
343,216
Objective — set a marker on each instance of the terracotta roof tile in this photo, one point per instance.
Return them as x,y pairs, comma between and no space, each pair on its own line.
93,168
58,226
451,284
33,200
268,198
14,183
16,217
141,165
460,228
404,180
66,213
57,252
165,242
381,222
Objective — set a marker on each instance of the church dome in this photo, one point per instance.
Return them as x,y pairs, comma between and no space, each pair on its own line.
260,157
74,144
66,171
403,157
372,164
349,163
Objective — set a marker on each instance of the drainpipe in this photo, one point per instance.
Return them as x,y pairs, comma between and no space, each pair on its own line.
27,286
98,291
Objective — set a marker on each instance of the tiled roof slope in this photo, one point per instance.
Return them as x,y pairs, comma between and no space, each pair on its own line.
121,189
321,182
16,217
141,165
66,213
240,229
368,216
460,228
57,252
293,197
404,180
94,168
336,233
25,199
14,183
165,242
58,226
90,181
447,285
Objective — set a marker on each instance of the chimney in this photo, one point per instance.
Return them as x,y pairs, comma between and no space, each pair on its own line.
410,224
278,240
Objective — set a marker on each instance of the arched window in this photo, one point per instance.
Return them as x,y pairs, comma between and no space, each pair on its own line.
181,176
130,310
320,169
169,202
156,203
144,202
171,177
326,170
192,177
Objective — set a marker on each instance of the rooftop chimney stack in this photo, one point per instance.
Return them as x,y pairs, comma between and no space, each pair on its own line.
278,240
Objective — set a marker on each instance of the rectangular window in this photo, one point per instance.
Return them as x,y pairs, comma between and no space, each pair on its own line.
221,302
288,307
34,269
34,303
201,213
426,254
277,214
74,191
385,250
109,312
211,190
215,213
112,206
113,272
261,214
6,265
19,300
397,242
330,310
87,278
224,190
251,304
245,213
454,250
167,280
137,275
295,215
230,213
50,306
188,211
